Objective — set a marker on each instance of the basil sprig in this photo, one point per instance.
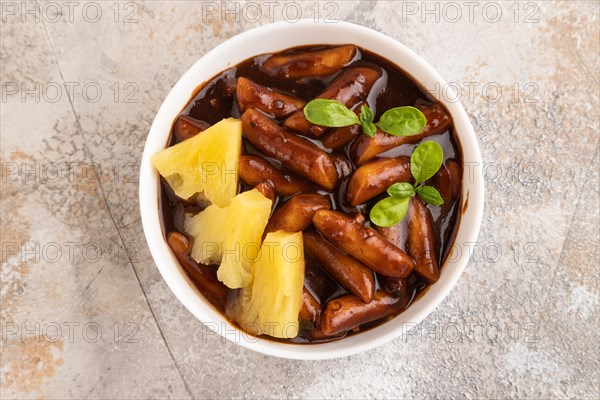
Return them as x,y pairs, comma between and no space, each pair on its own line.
425,161
399,121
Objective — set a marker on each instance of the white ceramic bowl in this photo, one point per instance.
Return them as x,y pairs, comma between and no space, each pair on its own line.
272,38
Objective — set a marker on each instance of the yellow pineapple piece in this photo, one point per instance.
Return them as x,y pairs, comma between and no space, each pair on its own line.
207,163
270,304
230,236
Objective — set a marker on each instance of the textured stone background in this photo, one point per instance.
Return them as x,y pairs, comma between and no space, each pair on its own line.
521,322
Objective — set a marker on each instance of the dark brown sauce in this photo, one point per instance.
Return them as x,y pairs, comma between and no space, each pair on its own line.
215,100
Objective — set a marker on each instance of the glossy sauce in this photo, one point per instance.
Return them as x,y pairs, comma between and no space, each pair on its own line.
215,101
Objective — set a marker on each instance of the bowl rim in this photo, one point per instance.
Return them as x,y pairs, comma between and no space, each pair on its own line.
279,33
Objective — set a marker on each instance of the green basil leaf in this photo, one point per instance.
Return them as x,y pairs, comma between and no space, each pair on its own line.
401,190
329,113
366,115
402,121
389,211
425,161
430,195
369,128
366,121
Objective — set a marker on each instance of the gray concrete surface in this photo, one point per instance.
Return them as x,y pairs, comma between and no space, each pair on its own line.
84,311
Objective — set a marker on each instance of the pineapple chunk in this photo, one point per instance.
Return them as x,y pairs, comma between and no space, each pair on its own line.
271,303
206,163
230,236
